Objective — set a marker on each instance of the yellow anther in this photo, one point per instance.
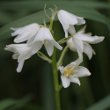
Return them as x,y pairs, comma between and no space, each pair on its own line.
68,71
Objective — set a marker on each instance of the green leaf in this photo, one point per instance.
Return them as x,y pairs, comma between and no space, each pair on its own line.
6,103
101,105
39,17
14,103
36,5
89,13
21,102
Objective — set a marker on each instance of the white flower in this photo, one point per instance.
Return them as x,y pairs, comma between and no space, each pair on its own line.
21,53
80,43
44,37
25,33
71,73
68,19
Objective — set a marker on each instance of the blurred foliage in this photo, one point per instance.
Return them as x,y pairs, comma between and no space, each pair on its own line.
36,77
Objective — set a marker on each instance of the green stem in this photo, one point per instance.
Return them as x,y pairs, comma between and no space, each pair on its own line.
64,40
51,24
44,57
57,87
62,56
56,83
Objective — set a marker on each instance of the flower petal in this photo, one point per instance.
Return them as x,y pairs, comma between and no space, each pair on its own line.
10,48
80,20
75,80
88,38
65,81
42,35
21,38
88,50
20,66
25,33
79,48
66,19
15,56
25,55
81,72
74,47
17,48
61,68
36,46
72,30
21,53
30,41
78,61
71,45
66,32
49,47
56,44
78,44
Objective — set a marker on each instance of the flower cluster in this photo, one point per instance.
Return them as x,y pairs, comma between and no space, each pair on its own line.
30,39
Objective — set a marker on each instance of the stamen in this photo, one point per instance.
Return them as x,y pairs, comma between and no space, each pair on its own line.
68,71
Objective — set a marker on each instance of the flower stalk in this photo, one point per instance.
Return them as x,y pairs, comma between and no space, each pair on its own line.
51,24
57,87
62,56
56,83
44,57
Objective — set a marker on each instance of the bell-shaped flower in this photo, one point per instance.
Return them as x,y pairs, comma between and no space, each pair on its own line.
81,41
21,53
25,33
45,37
71,73
68,19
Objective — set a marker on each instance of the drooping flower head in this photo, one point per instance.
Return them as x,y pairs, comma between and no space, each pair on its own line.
21,52
80,42
68,19
25,33
71,73
45,37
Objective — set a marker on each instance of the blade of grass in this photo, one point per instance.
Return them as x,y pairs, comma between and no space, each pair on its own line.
101,105
38,17
14,103
40,4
